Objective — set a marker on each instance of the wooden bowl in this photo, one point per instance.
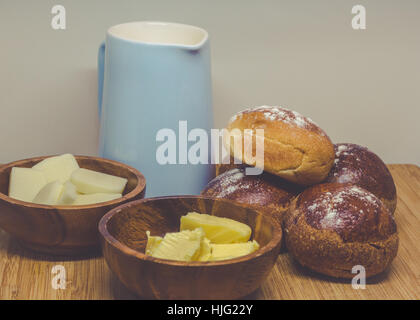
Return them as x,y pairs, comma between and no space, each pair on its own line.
64,230
124,239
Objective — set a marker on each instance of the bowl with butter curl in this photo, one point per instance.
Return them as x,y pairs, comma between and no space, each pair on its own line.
53,204
189,247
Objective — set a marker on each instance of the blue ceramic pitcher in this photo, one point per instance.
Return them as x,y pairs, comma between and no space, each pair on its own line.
154,76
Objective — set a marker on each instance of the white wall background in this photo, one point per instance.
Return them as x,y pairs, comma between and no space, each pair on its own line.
360,86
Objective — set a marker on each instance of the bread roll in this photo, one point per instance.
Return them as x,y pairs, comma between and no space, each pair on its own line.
264,192
227,165
358,165
332,227
295,148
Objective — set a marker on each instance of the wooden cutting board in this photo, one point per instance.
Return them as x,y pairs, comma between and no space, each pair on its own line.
27,275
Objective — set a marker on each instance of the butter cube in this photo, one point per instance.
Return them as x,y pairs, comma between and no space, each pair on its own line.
217,229
232,250
205,250
25,183
152,243
85,199
57,168
89,181
49,194
68,195
180,246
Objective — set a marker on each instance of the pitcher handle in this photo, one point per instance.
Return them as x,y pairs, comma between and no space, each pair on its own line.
101,70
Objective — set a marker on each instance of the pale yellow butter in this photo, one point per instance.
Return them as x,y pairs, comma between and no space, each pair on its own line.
57,168
232,250
217,229
85,199
89,181
68,194
49,194
205,250
25,183
152,243
212,239
180,246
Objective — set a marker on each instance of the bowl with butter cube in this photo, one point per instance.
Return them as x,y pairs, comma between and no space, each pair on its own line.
53,204
189,247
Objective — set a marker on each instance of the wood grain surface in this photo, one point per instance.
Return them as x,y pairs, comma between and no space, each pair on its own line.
26,275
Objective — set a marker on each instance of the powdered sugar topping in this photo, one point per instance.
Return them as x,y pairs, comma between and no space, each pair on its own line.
337,209
331,220
229,182
261,190
276,113
341,148
345,149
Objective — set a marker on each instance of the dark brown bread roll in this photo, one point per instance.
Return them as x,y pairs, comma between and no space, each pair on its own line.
332,227
265,191
223,167
358,165
295,148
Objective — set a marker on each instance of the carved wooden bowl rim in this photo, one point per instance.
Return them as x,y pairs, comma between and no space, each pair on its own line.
111,240
141,184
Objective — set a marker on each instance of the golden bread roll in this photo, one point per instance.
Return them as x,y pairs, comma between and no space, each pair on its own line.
295,148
